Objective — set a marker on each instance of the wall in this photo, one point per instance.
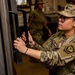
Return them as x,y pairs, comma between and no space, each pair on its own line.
62,3
55,3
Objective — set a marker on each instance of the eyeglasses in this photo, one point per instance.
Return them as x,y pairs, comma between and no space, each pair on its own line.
63,18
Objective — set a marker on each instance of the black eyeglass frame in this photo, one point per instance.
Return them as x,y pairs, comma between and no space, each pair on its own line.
64,18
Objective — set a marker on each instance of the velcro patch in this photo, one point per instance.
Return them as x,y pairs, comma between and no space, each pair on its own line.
67,51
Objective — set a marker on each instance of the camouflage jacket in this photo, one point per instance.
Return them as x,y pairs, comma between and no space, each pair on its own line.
38,19
36,25
59,53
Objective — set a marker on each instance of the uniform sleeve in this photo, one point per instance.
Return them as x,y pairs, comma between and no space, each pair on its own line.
47,44
32,14
39,47
51,58
45,16
60,57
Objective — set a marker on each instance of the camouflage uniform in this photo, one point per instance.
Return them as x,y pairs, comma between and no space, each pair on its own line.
59,53
36,25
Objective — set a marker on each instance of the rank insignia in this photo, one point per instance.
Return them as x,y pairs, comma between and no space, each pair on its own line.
69,49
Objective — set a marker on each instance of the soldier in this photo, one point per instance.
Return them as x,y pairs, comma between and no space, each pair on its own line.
59,50
37,20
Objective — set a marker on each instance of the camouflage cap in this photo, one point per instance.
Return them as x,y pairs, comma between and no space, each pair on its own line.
39,2
69,11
